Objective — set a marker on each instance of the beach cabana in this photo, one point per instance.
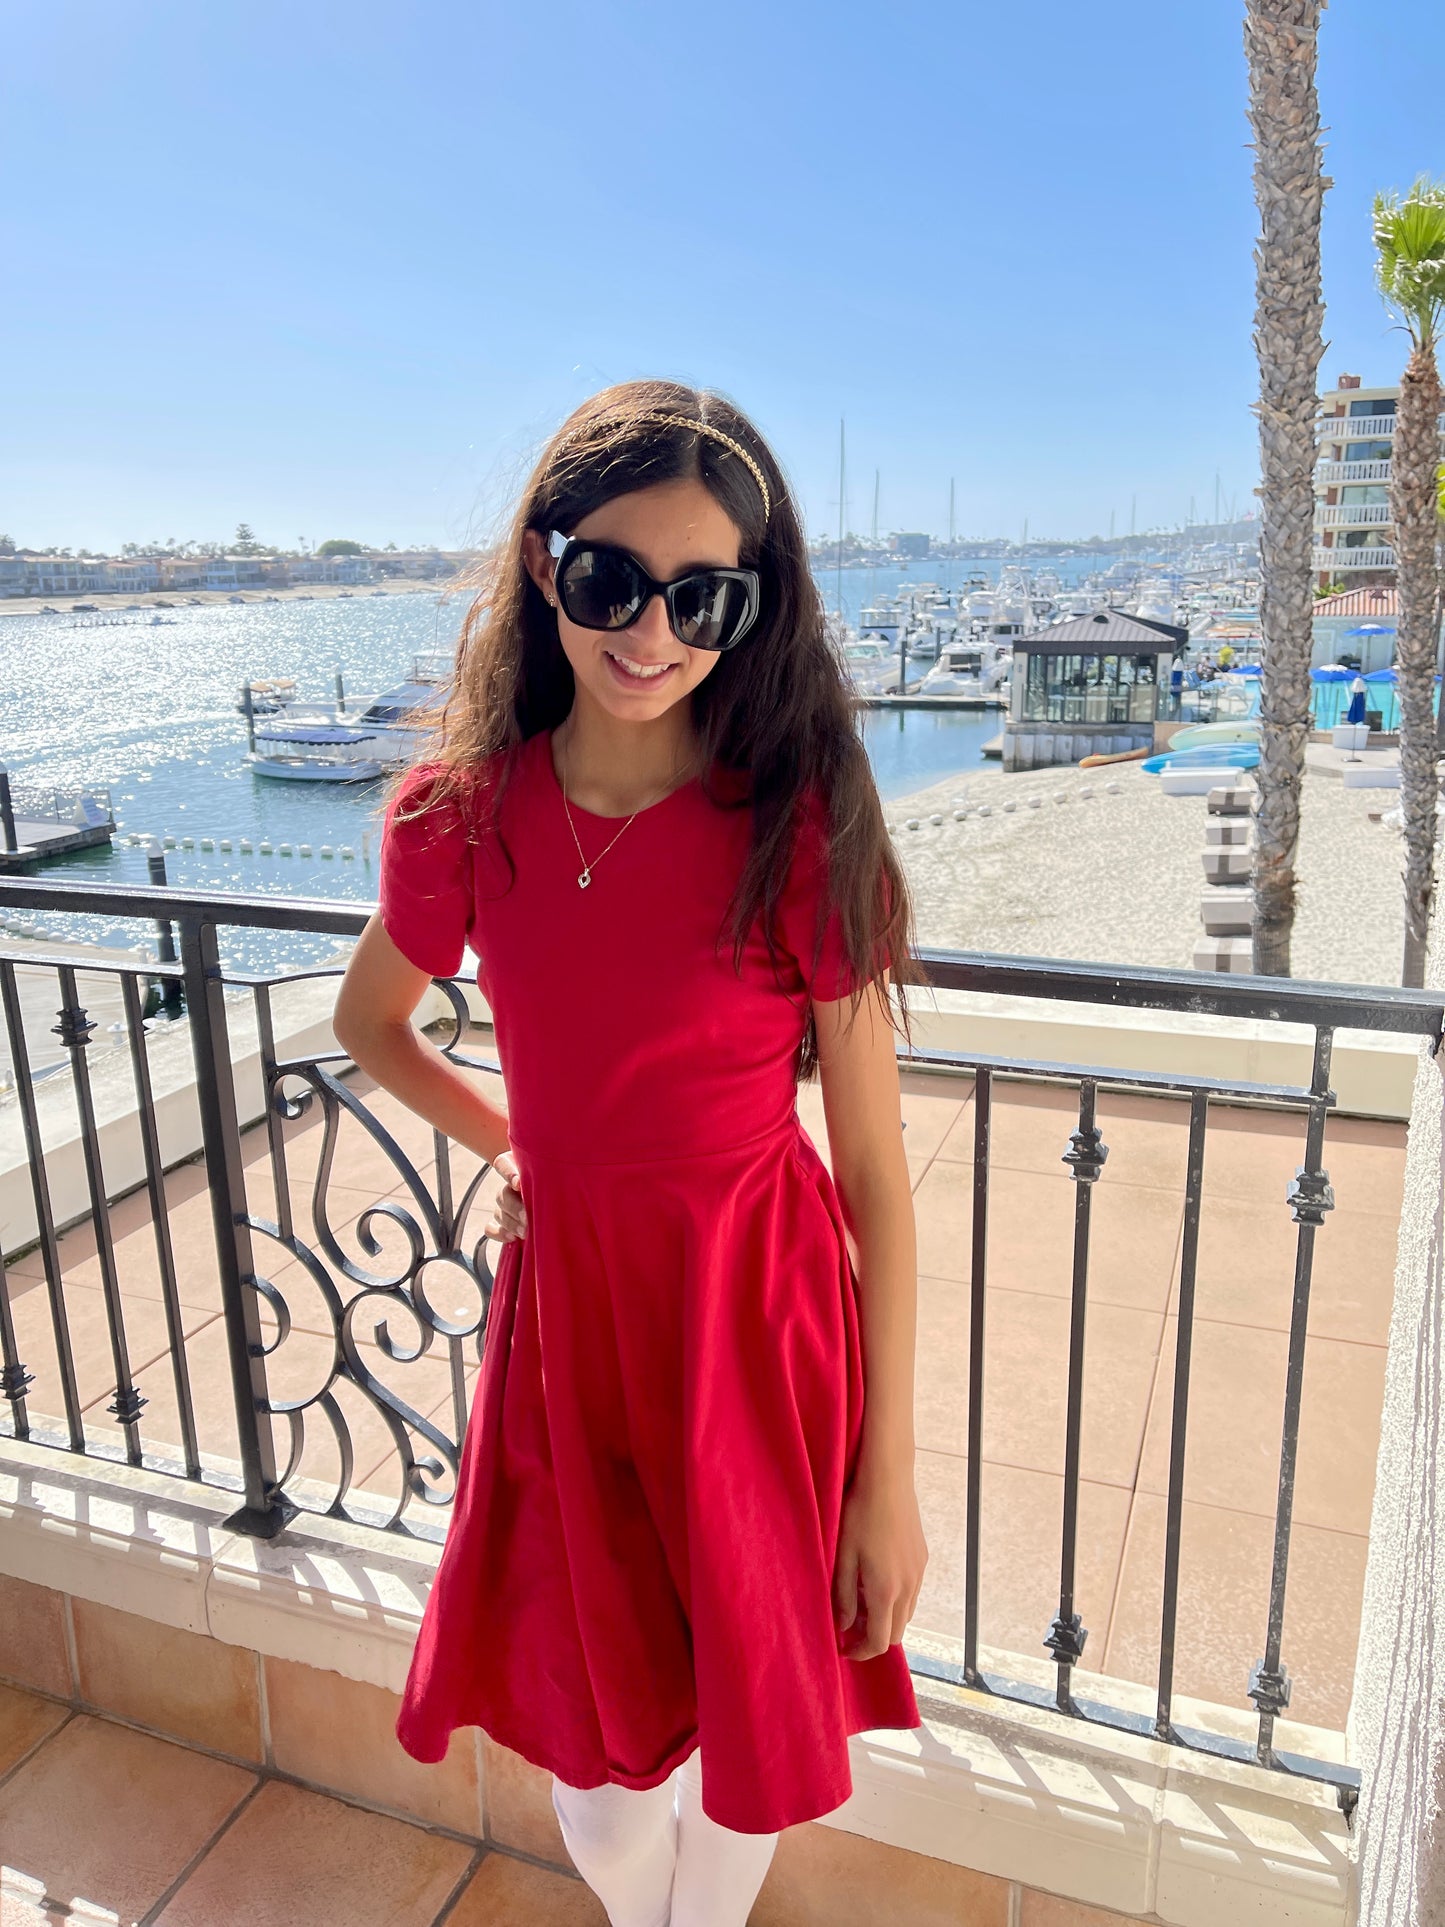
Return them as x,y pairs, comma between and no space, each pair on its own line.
1089,686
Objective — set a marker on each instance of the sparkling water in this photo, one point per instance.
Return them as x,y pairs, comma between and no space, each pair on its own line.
150,712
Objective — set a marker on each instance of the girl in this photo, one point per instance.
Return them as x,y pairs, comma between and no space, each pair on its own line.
686,1544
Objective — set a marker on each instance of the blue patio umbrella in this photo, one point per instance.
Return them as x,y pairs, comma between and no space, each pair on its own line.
1331,672
1371,629
1381,675
1246,669
1356,711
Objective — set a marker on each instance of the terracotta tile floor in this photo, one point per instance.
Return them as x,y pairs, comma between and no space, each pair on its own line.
1243,1294
174,1836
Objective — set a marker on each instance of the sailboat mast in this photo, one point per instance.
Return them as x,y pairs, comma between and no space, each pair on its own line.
840,521
875,507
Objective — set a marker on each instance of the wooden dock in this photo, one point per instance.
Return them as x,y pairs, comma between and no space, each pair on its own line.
37,841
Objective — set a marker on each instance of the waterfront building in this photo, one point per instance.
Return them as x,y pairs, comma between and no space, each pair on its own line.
133,575
911,545
329,568
64,574
1357,626
1089,686
419,565
1352,484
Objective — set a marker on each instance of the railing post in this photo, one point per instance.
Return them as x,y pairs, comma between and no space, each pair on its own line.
1310,1196
1085,1159
266,1509
7,815
165,935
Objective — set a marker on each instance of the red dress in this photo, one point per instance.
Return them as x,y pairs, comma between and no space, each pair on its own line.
641,1555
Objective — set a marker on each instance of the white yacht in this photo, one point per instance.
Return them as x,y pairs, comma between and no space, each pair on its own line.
316,753
872,666
402,717
973,671
348,740
883,621
1012,614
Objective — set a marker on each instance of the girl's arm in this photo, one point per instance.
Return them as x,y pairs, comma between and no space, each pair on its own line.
881,1551
372,1023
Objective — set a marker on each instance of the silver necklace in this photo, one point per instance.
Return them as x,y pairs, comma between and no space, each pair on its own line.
586,873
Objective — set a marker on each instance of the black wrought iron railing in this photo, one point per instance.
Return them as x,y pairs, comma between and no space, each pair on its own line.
264,1261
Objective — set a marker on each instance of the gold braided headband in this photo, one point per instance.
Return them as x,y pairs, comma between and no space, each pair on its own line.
706,428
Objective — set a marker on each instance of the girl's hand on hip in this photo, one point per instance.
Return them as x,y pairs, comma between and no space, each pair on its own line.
508,1216
878,1573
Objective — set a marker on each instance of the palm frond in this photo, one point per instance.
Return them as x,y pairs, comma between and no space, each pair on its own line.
1409,236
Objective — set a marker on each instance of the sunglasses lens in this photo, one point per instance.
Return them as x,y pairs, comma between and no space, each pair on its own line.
600,589
708,611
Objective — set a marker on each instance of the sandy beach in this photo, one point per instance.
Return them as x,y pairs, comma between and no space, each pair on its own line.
108,604
1106,869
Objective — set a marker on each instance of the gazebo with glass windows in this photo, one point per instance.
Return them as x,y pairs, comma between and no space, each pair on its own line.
1090,686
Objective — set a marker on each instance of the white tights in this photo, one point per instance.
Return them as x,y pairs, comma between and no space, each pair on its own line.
654,1859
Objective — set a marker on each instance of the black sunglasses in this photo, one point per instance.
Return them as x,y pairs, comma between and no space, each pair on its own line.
602,587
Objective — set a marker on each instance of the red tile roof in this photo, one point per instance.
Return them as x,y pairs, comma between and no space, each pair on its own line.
1382,600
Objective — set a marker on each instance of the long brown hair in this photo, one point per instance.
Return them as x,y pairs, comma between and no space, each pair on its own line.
779,707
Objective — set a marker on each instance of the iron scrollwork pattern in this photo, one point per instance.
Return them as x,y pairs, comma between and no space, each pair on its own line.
431,1228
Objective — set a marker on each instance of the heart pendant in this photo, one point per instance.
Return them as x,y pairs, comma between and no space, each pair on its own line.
584,879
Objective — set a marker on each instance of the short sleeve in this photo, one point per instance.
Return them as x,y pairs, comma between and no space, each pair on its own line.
802,905
425,888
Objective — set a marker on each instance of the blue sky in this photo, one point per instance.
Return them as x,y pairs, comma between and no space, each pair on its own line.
339,269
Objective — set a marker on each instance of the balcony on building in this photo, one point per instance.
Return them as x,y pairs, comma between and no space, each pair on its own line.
1342,557
243,1308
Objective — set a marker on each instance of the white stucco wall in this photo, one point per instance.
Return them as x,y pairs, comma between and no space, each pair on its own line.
1397,1720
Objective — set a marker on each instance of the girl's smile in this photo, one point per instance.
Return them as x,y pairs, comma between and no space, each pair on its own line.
630,669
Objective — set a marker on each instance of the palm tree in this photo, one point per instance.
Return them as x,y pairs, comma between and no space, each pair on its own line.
1410,243
1279,40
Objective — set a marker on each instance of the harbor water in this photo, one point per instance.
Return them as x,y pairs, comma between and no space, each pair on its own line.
149,712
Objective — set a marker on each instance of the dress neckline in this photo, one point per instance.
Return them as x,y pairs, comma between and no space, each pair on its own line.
545,739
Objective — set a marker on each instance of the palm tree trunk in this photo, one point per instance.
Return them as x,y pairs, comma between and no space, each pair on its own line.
1279,39
1414,514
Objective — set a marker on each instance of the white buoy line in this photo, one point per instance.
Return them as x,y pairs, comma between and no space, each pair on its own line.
249,846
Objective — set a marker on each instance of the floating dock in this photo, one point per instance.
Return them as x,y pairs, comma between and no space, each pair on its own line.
39,841
931,702
51,823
